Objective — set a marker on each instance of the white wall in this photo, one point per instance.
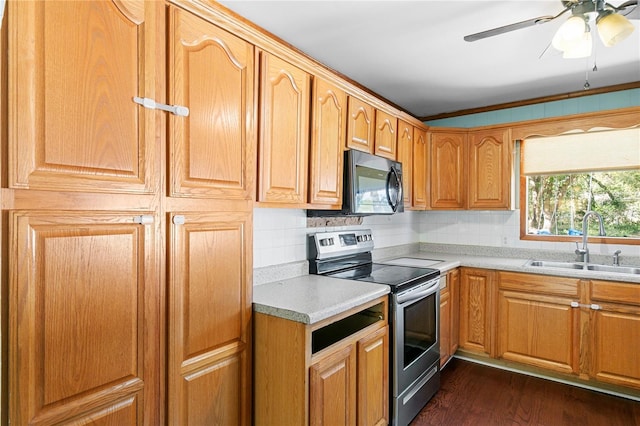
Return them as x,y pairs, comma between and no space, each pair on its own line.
280,234
496,229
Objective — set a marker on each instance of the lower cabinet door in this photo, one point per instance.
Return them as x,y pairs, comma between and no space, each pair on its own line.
539,330
209,296
83,333
616,345
373,378
332,389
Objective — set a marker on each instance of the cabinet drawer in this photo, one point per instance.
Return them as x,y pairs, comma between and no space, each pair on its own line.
539,284
609,291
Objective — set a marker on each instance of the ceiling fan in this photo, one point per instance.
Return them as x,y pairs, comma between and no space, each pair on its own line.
573,38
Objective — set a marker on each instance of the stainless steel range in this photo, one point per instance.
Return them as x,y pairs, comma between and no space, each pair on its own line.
414,314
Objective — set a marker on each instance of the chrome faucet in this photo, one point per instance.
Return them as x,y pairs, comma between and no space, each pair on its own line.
584,251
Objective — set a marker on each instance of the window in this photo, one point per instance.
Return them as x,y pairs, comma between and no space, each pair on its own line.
563,177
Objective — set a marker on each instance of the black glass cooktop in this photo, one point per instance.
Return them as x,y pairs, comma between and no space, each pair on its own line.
397,277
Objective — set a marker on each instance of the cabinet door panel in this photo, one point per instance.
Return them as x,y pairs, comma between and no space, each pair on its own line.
489,170
445,327
386,136
538,330
447,178
284,132
420,161
332,389
209,314
405,156
327,139
616,345
360,125
83,337
476,309
373,379
75,126
212,72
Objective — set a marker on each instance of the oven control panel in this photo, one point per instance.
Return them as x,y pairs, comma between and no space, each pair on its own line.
325,245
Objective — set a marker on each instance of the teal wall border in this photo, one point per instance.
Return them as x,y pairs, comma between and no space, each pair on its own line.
583,104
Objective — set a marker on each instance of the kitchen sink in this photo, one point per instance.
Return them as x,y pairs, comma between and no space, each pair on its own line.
612,268
550,264
590,267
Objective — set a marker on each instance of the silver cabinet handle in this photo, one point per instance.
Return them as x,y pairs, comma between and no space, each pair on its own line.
180,110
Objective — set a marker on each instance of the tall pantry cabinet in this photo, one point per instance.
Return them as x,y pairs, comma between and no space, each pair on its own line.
126,230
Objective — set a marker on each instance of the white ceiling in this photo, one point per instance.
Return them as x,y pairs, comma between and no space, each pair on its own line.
413,53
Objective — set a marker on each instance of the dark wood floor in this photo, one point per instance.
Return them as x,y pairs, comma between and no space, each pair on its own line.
474,394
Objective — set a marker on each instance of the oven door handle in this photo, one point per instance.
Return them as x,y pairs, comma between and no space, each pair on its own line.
413,295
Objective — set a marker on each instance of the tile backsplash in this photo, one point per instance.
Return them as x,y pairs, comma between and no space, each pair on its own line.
280,235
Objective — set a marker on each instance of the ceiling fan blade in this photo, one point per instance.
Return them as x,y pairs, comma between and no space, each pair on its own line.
513,27
630,9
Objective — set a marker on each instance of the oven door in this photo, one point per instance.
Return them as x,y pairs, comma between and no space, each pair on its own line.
416,328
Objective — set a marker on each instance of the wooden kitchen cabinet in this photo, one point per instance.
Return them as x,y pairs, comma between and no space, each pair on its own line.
448,170
332,389
285,95
329,114
490,153
614,341
332,372
139,305
477,310
210,300
405,156
212,151
360,125
449,316
537,324
386,135
420,160
372,379
445,326
74,69
83,335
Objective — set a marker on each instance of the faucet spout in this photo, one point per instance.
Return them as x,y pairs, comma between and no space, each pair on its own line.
584,251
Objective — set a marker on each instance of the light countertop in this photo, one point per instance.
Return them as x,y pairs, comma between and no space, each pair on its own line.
312,298
451,260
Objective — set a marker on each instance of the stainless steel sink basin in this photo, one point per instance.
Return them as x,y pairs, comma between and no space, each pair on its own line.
550,264
590,267
616,269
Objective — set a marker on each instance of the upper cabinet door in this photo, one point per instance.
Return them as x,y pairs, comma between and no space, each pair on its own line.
327,139
405,156
420,161
284,132
360,125
447,171
212,151
386,135
490,169
74,69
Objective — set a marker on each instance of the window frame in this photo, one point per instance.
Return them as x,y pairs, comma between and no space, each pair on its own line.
624,118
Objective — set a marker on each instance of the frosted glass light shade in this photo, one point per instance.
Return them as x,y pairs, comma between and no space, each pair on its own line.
613,28
569,33
580,48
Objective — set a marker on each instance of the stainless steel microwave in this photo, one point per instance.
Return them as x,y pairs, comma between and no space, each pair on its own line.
372,185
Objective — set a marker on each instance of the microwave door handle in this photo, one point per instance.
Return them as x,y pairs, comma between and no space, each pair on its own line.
396,188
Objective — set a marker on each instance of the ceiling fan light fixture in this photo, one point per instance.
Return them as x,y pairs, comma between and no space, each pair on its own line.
570,33
579,48
613,27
